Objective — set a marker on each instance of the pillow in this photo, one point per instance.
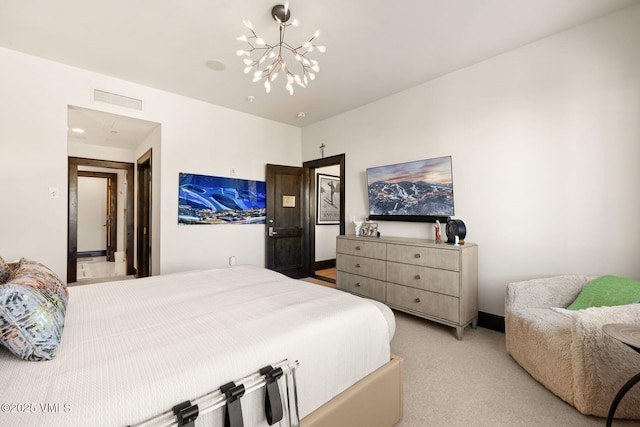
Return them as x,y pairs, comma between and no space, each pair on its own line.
32,308
49,279
607,291
5,271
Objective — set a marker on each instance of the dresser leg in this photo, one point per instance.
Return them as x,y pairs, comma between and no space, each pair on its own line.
459,330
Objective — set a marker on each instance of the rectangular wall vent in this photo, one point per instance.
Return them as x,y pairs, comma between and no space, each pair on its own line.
115,99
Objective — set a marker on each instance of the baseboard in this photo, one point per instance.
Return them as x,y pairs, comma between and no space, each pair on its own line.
91,254
491,321
323,265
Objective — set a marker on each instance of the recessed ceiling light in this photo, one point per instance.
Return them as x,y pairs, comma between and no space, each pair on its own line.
251,98
216,65
302,115
77,130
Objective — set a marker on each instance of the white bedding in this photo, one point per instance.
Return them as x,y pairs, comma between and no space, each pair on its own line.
133,349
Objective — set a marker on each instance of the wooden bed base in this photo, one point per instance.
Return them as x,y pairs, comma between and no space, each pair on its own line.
374,401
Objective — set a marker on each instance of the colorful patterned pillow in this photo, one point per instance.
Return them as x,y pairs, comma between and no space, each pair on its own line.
32,308
49,279
5,271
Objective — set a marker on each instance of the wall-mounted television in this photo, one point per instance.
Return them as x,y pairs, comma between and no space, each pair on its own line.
420,191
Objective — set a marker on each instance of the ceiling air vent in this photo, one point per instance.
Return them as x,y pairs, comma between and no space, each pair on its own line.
112,98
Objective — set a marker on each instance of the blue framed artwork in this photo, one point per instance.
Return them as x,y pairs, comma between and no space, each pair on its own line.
204,199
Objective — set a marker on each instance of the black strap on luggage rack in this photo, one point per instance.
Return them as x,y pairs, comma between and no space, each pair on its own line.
272,399
185,413
233,413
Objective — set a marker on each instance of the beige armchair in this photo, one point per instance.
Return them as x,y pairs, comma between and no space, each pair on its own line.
566,350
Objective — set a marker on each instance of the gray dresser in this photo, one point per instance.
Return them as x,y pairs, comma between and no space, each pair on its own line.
436,281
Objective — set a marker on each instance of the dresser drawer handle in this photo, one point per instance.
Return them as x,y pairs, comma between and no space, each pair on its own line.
357,285
417,277
416,256
416,300
357,248
357,265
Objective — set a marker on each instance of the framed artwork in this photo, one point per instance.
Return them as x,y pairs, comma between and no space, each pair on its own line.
288,201
369,229
206,199
327,200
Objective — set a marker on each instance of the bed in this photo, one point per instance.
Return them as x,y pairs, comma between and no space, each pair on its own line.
133,349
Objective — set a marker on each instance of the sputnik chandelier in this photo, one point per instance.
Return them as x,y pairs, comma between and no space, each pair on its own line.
260,52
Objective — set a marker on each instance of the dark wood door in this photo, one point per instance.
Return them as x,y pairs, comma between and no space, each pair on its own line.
112,217
144,216
287,220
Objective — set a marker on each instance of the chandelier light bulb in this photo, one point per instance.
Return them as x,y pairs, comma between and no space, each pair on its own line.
260,51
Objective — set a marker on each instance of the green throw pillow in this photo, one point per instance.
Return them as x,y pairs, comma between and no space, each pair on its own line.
607,291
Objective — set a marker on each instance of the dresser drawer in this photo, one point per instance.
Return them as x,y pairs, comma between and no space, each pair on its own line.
424,302
368,267
429,279
361,285
362,247
441,257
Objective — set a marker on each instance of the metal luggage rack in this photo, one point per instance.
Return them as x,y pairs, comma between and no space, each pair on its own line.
279,408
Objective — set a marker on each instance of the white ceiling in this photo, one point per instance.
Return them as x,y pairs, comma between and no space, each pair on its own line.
374,48
106,129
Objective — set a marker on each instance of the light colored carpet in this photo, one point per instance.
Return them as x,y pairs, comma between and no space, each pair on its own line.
473,382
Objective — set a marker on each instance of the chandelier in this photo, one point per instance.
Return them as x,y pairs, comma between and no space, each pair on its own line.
261,53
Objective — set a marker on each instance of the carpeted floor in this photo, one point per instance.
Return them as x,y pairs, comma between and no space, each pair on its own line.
473,382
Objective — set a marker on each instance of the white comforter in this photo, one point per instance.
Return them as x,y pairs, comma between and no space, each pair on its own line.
133,349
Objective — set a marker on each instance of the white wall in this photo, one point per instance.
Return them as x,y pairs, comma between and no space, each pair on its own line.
196,137
545,142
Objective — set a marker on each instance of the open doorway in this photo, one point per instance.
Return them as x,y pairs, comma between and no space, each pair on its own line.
103,150
327,192
98,200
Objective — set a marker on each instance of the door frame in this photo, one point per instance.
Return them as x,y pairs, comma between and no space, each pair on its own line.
310,167
72,214
143,254
112,217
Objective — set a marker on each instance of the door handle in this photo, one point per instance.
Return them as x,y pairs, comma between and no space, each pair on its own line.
270,231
